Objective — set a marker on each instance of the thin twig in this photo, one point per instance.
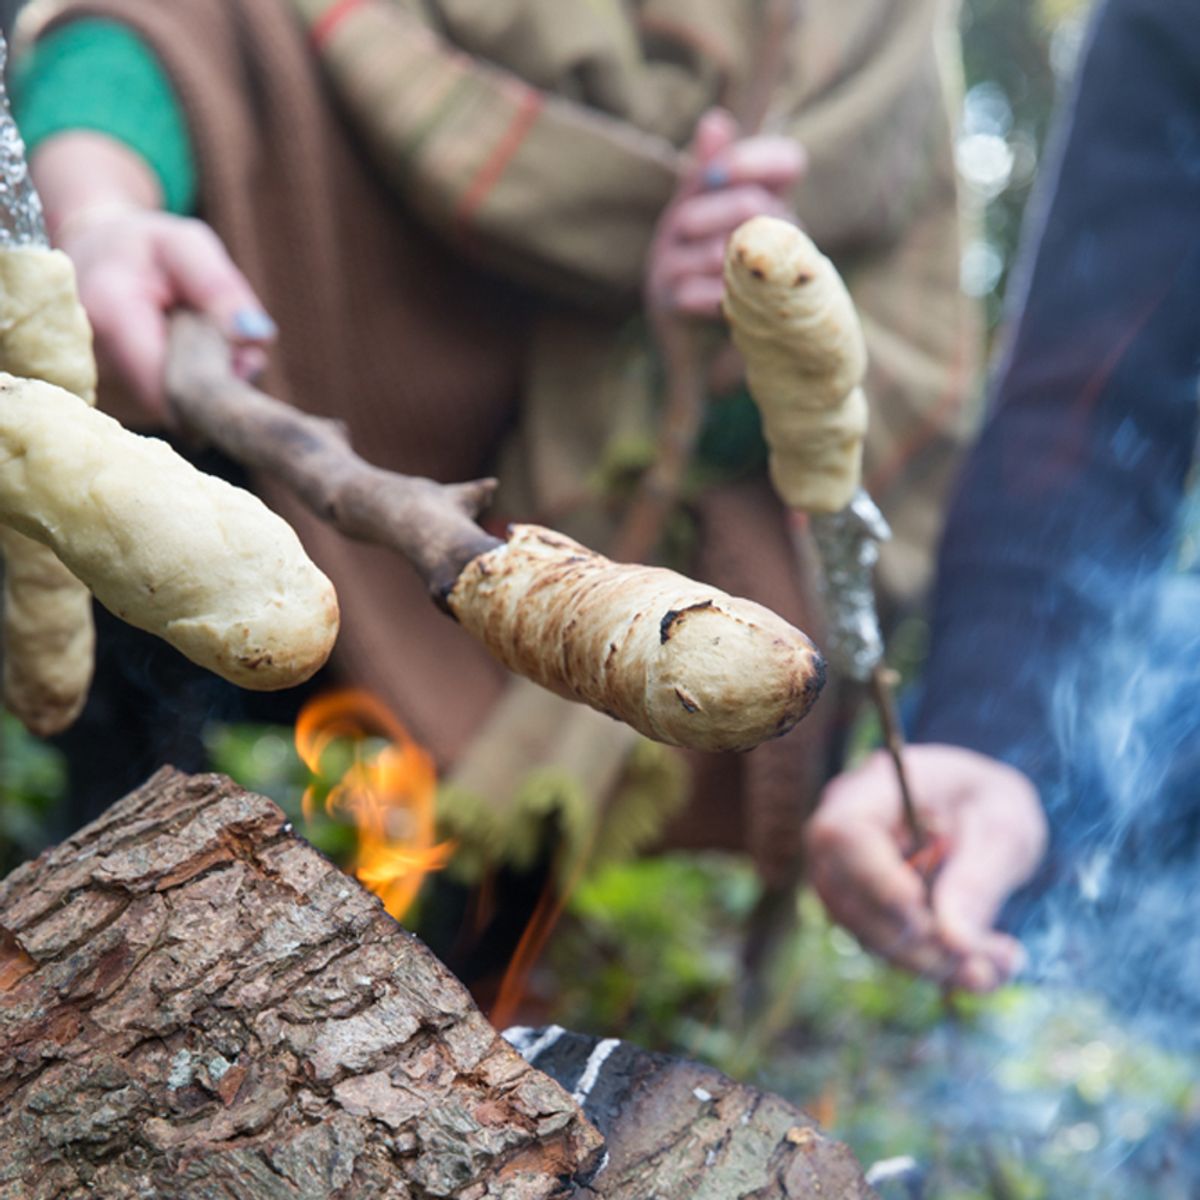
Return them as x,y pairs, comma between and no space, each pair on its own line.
658,489
883,682
779,19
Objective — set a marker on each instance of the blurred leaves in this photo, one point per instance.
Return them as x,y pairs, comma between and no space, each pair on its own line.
650,947
32,784
1017,55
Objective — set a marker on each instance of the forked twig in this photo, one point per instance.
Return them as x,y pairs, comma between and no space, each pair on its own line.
431,524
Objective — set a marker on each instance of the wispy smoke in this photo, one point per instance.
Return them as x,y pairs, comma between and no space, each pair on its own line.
1122,915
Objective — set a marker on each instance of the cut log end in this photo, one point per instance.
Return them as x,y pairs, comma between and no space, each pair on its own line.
671,1126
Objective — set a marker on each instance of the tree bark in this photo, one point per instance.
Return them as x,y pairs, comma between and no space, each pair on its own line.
194,1002
680,1131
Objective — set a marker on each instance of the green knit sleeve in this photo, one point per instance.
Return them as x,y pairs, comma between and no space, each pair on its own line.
98,75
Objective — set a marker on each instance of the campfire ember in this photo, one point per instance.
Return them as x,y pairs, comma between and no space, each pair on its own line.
387,792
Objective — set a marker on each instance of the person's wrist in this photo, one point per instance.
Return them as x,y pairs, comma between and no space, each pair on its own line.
87,178
68,225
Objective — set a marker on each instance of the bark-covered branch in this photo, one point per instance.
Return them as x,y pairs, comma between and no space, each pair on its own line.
432,525
599,632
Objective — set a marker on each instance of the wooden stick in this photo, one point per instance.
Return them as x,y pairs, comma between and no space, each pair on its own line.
657,682
779,18
659,488
679,338
431,524
883,693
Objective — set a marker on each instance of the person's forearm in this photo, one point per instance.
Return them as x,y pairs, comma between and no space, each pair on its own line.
557,194
1071,498
82,174
96,75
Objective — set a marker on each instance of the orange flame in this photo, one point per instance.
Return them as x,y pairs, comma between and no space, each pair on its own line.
536,936
515,984
387,793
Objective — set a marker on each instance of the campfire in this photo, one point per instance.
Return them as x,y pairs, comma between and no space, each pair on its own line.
194,999
387,791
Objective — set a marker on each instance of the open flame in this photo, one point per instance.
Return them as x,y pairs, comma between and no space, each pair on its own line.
514,987
387,792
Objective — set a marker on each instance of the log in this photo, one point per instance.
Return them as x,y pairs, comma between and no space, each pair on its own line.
677,1130
194,1002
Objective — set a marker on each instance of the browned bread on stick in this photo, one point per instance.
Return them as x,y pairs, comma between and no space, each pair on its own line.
681,662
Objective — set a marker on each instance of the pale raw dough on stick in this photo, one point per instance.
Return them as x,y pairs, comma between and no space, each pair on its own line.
797,328
48,633
49,636
681,662
165,547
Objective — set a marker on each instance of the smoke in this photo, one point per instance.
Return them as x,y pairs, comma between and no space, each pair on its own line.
1084,1080
1121,913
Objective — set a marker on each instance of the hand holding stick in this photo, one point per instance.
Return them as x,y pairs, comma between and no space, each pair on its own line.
683,349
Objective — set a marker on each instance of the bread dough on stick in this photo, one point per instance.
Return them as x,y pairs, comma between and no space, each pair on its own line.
681,662
165,547
797,328
48,634
44,332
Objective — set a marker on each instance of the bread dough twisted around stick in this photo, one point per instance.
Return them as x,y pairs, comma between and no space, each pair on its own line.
191,558
681,662
798,330
48,634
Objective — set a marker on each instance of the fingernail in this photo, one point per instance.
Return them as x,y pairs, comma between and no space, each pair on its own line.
253,324
250,363
715,176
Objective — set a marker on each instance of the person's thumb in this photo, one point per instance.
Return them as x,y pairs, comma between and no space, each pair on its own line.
203,277
982,869
716,132
130,335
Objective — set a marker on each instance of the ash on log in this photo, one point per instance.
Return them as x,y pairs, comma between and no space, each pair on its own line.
197,1003
677,1130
